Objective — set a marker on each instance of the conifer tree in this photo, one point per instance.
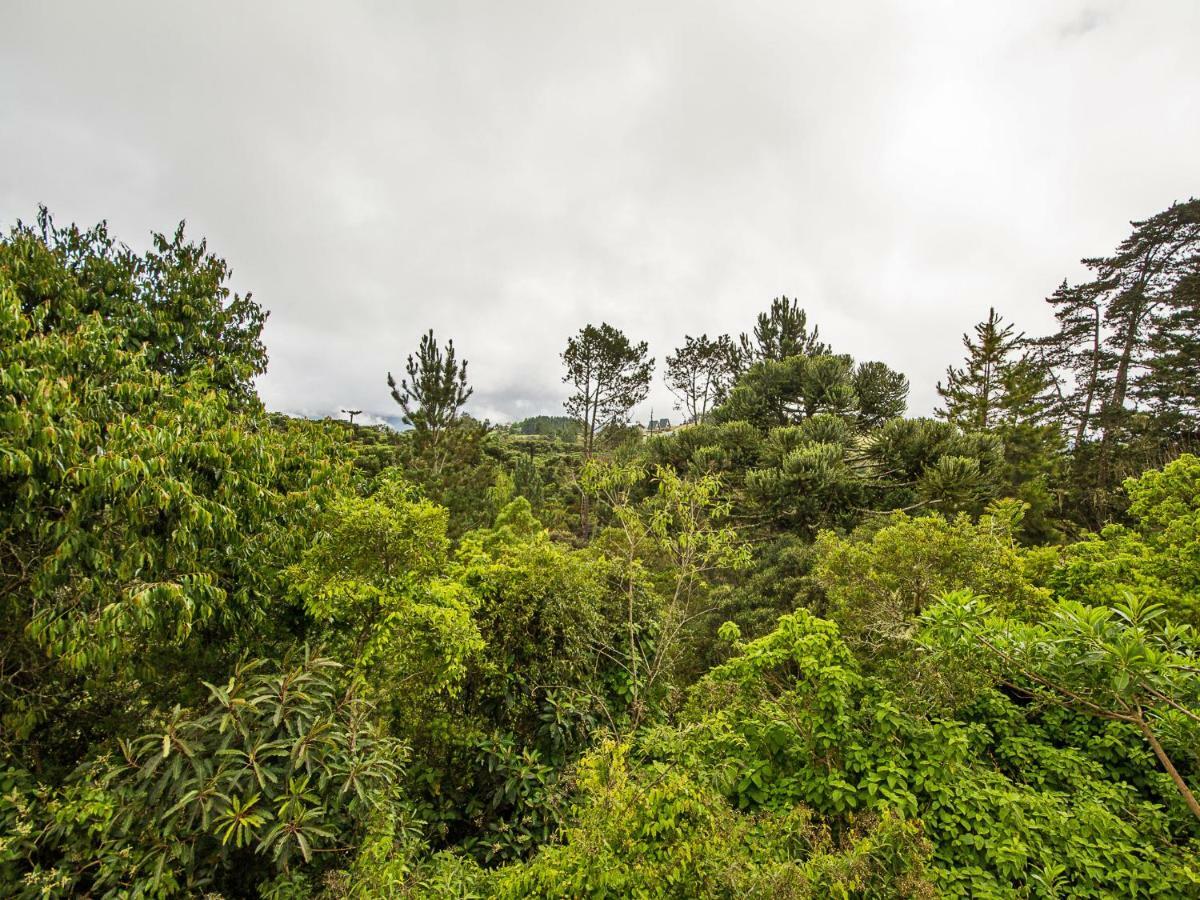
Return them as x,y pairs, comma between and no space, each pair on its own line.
1107,326
779,333
1005,390
610,376
1141,278
882,393
1171,383
1076,357
434,392
974,395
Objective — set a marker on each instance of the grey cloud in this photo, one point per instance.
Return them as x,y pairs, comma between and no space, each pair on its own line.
505,173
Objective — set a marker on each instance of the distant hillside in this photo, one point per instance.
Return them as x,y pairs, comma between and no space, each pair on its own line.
562,427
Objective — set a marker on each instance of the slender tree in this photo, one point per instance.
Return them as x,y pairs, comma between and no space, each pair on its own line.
700,374
1005,389
609,375
1076,356
433,394
1107,326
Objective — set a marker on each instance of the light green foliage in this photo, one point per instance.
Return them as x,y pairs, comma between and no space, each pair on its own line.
664,832
139,515
484,658
665,549
878,582
792,775
287,764
374,577
1156,558
491,754
171,305
1126,664
791,720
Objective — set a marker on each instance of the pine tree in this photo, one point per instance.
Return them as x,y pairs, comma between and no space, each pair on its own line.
974,395
433,394
779,333
1171,384
1111,331
1076,357
1005,390
610,376
1107,326
882,394
1140,280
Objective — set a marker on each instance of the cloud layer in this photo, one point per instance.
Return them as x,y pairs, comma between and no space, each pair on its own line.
505,173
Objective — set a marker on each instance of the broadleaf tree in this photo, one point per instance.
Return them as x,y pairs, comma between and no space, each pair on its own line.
700,373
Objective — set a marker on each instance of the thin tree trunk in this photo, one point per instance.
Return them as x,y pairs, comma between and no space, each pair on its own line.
1188,797
1085,415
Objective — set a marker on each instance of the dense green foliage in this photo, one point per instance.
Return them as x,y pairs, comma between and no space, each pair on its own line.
803,646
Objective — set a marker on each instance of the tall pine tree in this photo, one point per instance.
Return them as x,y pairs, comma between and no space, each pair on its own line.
1113,331
974,395
1005,390
779,333
1171,383
433,394
610,375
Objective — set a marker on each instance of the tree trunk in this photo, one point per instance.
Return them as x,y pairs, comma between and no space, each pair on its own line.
1085,415
1111,412
1188,797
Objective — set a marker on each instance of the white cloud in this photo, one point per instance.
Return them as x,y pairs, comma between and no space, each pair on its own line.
505,173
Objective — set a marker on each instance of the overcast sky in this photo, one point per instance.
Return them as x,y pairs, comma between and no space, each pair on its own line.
507,172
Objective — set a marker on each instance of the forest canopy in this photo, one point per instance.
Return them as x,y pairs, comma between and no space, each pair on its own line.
802,645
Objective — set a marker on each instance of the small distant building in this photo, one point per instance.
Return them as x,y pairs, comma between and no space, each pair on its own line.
658,424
